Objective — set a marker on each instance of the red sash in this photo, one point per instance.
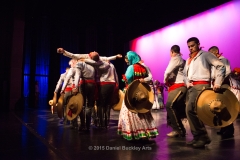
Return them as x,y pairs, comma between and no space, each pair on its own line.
200,82
87,81
68,89
103,83
175,86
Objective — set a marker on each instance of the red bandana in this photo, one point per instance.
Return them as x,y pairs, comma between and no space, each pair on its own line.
192,55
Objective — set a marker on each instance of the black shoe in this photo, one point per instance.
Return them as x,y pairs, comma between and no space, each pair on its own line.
74,127
87,130
191,142
96,122
227,132
81,129
201,143
227,136
219,133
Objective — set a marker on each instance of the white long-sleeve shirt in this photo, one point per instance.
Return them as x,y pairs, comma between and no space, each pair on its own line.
201,68
174,70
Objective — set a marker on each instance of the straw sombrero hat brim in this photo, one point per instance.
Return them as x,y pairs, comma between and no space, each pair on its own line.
229,103
50,102
143,106
118,106
54,102
60,106
74,106
128,104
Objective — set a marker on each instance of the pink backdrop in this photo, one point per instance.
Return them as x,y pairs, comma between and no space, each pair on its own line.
219,26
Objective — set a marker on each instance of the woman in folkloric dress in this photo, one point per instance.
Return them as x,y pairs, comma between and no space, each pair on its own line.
135,126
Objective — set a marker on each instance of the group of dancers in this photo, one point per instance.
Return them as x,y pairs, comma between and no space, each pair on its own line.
95,77
187,79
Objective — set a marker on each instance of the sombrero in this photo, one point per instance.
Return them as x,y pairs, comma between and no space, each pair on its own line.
51,104
118,106
217,109
139,97
54,99
60,106
74,106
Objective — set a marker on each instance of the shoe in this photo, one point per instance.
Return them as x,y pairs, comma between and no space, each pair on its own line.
81,129
144,139
153,136
87,130
191,142
96,122
227,136
219,133
201,143
173,134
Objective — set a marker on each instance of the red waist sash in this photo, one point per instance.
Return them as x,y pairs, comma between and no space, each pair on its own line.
175,86
87,81
200,82
68,89
103,83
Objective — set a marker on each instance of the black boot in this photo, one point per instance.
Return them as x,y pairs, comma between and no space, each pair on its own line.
202,141
88,117
82,119
74,123
227,132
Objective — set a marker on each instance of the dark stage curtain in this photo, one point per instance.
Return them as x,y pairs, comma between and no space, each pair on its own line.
42,63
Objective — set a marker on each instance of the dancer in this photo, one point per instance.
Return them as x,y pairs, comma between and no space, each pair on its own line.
228,131
135,126
197,76
87,87
107,85
68,87
175,105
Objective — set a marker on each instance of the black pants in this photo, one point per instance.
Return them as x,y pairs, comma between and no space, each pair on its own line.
104,101
228,130
196,125
88,92
175,106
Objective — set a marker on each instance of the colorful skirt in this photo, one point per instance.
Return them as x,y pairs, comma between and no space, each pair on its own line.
136,126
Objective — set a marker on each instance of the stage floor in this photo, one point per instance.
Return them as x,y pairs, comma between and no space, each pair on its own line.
39,134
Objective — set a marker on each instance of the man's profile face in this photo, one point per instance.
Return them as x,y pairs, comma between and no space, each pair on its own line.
172,54
193,46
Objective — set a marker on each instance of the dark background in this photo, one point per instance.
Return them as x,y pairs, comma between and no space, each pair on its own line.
31,31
